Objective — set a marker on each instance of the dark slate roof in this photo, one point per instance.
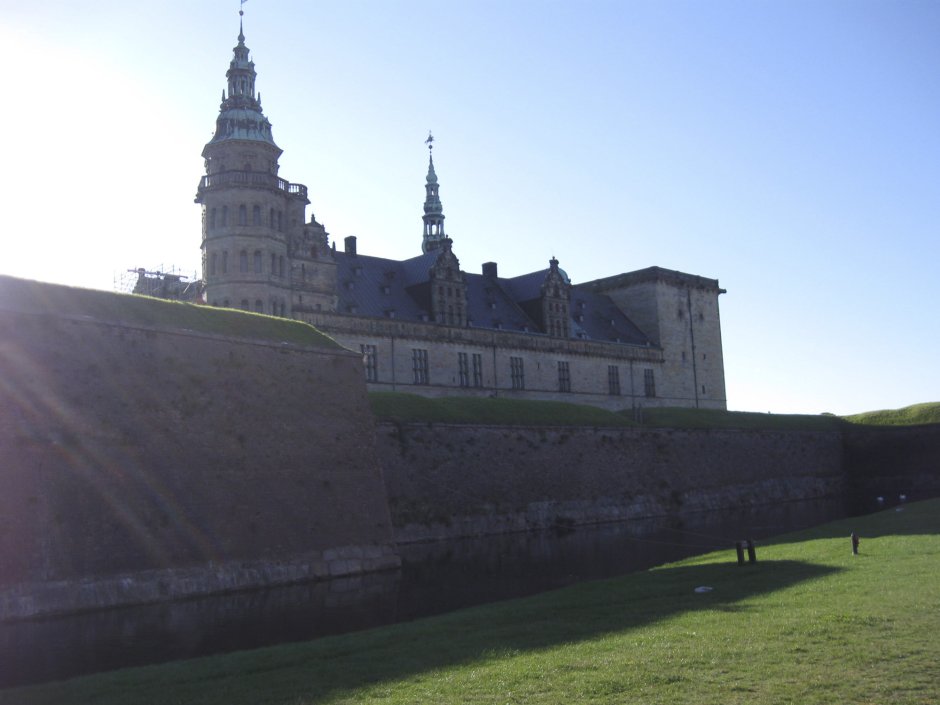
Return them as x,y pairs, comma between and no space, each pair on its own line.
596,317
375,287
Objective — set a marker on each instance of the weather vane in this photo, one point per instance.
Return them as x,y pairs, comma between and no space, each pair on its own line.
429,141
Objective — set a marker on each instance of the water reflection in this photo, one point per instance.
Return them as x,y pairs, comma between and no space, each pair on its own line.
436,577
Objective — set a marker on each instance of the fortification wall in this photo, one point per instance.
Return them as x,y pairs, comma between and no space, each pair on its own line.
888,462
456,480
142,464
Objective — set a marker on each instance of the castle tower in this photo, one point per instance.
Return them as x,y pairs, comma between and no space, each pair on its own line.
433,210
448,287
248,212
555,291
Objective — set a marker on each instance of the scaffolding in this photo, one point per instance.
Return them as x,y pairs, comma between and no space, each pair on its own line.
163,283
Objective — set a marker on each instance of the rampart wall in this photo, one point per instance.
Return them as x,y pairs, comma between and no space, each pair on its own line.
141,464
455,480
890,461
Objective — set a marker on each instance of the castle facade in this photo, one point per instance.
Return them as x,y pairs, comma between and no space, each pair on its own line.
425,325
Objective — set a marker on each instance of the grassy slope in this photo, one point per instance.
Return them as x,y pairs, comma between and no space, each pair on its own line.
404,407
915,414
809,624
37,297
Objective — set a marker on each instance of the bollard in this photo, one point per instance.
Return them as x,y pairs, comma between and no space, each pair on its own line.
751,552
739,547
854,544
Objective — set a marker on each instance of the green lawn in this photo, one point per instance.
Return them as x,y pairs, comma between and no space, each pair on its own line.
410,408
809,623
406,408
915,414
41,298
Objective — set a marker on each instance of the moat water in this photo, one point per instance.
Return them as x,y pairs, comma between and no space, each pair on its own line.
434,578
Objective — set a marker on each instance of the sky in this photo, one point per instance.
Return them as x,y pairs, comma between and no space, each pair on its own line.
789,149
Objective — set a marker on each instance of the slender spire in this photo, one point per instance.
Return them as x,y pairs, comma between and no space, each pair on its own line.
433,209
240,116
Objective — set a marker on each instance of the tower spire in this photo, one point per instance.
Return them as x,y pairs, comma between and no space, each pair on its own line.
240,115
433,209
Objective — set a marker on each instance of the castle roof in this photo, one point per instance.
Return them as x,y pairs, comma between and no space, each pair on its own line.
375,287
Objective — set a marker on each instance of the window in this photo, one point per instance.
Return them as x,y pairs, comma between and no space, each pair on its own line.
419,363
273,264
463,368
613,380
256,215
242,215
280,268
369,361
245,306
257,259
242,261
271,220
224,216
225,262
212,260
259,306
649,383
517,373
477,369
212,219
280,220
564,377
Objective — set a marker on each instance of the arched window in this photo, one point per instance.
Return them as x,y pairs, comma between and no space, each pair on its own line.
273,264
280,268
225,263
272,221
259,306
212,260
257,259
242,215
245,306
224,216
243,261
280,221
212,219
256,215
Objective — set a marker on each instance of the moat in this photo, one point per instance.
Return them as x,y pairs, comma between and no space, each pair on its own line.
435,578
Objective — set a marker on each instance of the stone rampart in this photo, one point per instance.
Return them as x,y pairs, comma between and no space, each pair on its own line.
890,461
456,480
141,464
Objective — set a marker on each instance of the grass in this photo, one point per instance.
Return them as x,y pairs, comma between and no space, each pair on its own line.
404,408
673,417
37,297
409,408
809,623
913,415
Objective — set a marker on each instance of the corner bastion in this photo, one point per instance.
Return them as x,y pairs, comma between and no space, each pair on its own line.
142,461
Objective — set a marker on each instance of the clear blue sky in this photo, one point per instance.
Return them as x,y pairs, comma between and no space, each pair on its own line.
790,149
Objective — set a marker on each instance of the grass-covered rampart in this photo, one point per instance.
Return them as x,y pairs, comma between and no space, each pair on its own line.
53,299
809,623
407,408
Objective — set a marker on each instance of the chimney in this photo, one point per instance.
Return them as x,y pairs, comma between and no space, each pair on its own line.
350,245
489,270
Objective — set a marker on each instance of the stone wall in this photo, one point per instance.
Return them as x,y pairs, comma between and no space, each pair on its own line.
456,480
143,464
888,462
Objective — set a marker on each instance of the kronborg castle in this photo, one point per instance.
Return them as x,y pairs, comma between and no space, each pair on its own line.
424,324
